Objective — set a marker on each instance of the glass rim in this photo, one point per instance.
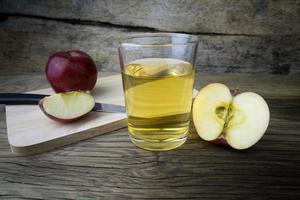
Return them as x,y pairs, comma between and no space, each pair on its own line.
190,39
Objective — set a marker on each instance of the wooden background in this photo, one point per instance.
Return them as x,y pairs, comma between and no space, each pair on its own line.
236,36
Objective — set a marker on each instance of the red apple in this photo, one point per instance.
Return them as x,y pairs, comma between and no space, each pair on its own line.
71,71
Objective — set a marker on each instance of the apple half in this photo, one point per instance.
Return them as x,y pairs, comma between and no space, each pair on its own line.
67,107
238,120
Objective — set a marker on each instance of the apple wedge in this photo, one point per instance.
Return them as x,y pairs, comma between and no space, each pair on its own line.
239,121
67,107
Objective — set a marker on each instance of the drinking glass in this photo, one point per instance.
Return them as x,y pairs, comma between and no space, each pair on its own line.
158,72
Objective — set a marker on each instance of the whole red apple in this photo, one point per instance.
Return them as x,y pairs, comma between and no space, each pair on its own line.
71,71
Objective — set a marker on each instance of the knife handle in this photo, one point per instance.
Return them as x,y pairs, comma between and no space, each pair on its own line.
20,99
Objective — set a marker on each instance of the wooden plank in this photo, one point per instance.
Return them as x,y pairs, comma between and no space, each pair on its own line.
214,16
27,43
110,167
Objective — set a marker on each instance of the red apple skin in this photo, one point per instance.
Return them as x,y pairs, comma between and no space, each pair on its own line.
71,71
41,105
220,141
235,92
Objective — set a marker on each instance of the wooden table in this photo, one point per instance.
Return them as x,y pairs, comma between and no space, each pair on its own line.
111,167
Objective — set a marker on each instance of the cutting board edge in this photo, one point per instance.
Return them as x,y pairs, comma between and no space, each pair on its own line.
68,139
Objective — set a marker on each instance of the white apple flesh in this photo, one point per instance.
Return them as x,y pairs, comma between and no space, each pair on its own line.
206,119
240,121
67,107
250,120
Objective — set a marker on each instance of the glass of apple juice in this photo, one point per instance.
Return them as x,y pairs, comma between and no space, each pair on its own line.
158,72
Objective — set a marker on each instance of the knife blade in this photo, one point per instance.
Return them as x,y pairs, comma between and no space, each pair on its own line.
33,99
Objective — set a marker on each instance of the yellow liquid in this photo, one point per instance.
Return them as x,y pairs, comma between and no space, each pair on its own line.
158,94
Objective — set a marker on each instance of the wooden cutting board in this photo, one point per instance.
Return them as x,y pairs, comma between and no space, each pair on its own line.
30,131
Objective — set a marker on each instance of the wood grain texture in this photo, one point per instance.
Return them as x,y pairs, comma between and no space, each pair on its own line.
28,42
250,17
110,167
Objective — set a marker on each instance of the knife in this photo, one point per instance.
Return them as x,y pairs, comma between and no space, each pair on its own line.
33,99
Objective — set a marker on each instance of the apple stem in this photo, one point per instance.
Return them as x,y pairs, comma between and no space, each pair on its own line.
235,92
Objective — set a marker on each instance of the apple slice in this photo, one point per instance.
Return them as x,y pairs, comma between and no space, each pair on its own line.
210,110
248,121
67,107
239,121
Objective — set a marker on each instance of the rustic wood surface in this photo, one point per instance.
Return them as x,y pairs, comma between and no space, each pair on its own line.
110,167
249,36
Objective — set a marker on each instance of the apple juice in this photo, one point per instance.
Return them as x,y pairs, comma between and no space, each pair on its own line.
158,96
